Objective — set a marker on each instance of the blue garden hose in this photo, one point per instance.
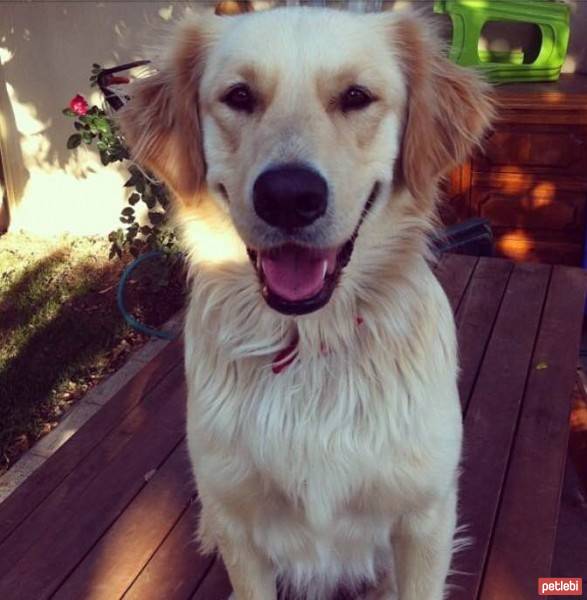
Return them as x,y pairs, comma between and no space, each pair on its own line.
164,335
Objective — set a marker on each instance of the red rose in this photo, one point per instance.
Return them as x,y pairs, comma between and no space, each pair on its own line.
79,105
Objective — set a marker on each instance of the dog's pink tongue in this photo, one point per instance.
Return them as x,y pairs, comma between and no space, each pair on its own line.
297,273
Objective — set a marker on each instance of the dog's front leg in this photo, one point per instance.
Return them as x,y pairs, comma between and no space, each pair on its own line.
250,573
423,545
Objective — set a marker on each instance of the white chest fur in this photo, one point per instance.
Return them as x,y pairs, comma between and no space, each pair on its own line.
314,463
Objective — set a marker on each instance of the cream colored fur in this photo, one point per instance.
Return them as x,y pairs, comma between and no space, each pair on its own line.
343,467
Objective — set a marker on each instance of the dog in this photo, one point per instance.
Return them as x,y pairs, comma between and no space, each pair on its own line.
304,148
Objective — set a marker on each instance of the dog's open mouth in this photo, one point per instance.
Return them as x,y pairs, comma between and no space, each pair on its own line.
298,280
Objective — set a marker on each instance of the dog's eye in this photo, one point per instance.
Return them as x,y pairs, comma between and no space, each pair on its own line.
355,98
240,98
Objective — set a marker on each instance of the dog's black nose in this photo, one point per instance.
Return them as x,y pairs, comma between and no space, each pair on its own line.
290,196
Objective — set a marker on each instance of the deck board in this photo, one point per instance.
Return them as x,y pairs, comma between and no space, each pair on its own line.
113,513
454,272
538,460
33,492
65,495
475,318
79,519
122,552
176,569
492,415
216,586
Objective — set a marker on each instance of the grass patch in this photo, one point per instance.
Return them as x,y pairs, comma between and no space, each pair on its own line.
60,329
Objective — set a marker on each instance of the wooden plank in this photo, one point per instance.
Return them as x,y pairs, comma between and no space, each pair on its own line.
59,544
491,418
176,569
115,561
25,536
28,496
531,496
216,585
454,273
570,553
476,317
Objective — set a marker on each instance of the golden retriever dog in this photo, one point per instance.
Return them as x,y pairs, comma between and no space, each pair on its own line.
304,147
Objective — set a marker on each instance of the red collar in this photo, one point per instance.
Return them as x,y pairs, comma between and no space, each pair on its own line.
285,357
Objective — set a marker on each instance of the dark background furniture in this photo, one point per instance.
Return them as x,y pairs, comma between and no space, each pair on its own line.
530,179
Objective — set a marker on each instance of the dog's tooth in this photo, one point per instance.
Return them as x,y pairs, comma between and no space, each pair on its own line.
324,269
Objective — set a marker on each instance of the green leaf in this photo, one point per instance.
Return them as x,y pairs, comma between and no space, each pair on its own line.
87,137
68,112
156,217
78,125
115,250
133,198
101,145
150,201
74,140
102,125
163,200
130,182
123,153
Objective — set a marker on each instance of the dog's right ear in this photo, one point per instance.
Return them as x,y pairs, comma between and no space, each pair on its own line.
161,122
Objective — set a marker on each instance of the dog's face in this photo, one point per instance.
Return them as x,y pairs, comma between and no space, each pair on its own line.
300,137
298,122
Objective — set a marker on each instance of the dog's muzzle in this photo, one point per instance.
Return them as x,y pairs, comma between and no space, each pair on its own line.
299,279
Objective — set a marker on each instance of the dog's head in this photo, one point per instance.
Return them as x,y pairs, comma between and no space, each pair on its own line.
304,125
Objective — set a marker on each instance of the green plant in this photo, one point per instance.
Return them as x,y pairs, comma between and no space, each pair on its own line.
94,126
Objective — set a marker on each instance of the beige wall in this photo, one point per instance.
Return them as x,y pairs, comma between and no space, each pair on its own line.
46,49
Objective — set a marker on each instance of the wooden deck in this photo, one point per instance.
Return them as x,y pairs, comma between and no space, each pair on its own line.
112,512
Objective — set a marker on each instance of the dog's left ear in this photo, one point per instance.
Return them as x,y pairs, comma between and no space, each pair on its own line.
448,107
161,122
